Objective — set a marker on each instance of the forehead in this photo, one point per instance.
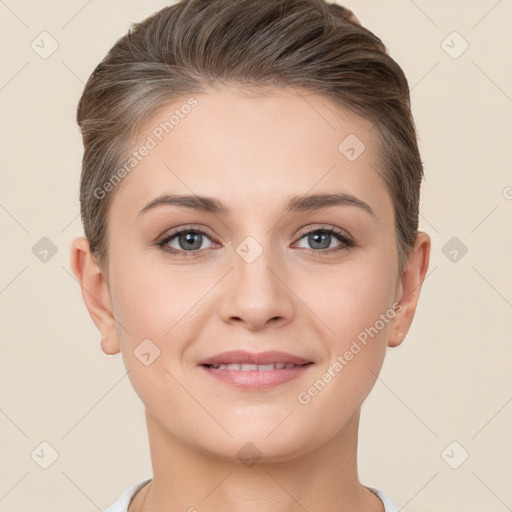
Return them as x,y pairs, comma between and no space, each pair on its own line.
251,148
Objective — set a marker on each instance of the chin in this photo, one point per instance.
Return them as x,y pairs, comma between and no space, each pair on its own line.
251,446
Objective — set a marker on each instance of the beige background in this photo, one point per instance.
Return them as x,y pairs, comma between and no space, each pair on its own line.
449,381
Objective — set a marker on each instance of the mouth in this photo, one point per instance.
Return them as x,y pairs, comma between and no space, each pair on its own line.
255,371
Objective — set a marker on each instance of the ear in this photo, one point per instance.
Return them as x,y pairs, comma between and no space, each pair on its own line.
95,293
408,290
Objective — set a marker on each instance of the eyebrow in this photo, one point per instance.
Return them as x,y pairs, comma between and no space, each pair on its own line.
302,203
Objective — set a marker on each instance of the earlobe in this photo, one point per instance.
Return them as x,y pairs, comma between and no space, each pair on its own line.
95,293
108,346
410,285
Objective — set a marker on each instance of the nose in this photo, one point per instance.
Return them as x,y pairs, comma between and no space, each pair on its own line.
256,292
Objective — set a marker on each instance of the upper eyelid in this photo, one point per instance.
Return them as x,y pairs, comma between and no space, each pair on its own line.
332,229
186,229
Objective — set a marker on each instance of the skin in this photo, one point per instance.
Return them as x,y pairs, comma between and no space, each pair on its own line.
252,153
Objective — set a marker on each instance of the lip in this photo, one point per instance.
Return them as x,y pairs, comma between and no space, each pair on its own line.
254,379
245,357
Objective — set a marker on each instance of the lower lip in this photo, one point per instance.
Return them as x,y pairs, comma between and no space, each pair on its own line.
257,379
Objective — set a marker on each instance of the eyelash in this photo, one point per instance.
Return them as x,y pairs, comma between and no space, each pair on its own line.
346,242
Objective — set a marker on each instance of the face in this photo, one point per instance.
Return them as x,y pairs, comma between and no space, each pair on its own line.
269,270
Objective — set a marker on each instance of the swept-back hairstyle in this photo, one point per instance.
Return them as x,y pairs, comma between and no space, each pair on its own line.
313,45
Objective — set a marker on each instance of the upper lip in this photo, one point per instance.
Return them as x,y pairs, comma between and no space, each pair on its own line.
245,357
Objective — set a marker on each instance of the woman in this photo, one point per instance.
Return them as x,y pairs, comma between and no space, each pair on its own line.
250,193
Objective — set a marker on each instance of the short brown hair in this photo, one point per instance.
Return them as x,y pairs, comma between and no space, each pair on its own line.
185,47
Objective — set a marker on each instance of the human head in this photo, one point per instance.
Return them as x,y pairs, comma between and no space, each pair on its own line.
299,70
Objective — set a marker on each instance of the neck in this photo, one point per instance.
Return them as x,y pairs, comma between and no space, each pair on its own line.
187,479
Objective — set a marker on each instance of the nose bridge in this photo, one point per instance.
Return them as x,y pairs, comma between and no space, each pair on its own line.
256,263
257,292
256,250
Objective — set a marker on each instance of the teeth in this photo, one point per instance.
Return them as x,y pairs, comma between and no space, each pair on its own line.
254,367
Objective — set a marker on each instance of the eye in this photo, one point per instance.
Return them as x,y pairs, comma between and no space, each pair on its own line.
320,240
189,242
185,241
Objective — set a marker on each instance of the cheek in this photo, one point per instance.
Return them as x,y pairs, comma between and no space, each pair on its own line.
353,307
356,305
151,305
350,298
155,306
150,298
